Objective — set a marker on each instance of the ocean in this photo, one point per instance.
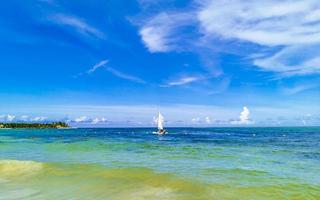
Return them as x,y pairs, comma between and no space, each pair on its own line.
135,164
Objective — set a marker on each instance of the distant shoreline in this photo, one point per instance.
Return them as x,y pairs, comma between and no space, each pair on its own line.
53,125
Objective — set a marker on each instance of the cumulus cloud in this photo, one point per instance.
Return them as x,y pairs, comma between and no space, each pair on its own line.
243,118
244,115
79,24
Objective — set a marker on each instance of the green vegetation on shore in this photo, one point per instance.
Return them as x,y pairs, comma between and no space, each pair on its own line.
34,125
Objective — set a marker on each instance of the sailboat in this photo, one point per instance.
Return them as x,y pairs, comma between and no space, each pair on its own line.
160,121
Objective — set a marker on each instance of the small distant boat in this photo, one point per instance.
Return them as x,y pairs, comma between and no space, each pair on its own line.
160,122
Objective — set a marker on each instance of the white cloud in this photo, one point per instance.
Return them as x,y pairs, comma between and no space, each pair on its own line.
10,118
97,66
24,118
125,76
204,84
103,119
149,3
79,24
177,114
288,28
244,115
38,119
113,71
183,81
98,120
291,24
95,121
201,120
243,118
158,33
208,120
81,119
86,119
300,88
154,39
292,60
269,23
195,120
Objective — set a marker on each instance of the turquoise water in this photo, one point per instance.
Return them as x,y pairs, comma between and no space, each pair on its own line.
134,163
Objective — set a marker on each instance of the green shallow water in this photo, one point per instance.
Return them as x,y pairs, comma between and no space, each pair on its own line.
221,163
34,180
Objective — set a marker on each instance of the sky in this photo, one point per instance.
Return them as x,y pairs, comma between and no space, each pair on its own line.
200,62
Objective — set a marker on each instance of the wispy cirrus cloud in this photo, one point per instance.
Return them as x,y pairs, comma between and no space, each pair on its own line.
286,28
92,69
300,88
97,66
269,23
204,83
292,60
78,24
159,33
292,26
125,76
117,73
183,81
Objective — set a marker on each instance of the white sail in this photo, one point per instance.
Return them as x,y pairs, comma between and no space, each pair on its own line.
160,121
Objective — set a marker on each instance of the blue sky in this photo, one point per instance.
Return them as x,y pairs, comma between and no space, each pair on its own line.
201,62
